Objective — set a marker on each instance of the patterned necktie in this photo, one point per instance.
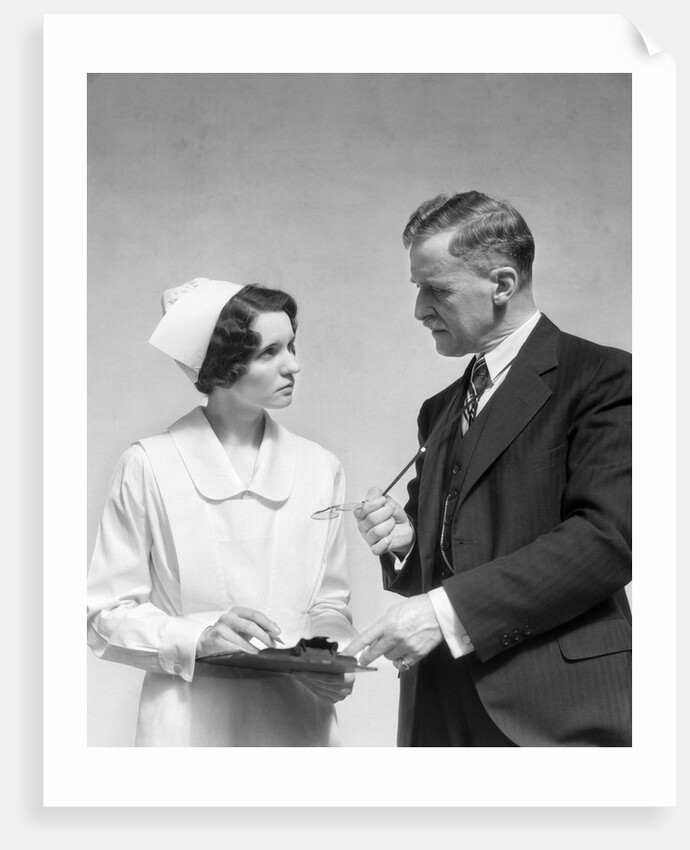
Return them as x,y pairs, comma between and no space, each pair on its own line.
479,381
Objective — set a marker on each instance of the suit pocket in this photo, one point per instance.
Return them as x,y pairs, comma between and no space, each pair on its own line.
538,460
593,640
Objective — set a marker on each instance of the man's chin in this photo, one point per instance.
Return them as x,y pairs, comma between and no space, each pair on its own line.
445,345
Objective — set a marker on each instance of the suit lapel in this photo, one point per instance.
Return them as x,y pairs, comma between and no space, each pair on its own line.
513,406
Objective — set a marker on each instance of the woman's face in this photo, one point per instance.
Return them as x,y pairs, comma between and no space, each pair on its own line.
270,376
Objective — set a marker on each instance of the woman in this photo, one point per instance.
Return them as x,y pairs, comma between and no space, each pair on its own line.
206,542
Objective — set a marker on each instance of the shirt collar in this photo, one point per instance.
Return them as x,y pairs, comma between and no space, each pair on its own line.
212,471
500,357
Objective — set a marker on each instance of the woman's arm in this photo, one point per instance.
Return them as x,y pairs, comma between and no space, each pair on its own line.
123,624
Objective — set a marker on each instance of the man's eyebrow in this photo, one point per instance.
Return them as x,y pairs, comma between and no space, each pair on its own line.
427,281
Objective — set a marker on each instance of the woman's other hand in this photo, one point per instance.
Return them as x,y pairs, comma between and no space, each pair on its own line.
233,631
327,686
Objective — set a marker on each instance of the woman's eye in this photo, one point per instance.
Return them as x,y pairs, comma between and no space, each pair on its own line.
268,352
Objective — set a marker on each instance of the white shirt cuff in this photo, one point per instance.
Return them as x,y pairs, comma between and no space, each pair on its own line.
454,634
177,652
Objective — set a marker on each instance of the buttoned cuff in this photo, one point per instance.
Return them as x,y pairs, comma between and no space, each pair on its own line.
177,652
454,633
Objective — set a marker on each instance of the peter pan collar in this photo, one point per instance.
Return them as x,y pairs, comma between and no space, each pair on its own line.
212,471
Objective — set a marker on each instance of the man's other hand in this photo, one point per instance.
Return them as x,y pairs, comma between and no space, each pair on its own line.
405,634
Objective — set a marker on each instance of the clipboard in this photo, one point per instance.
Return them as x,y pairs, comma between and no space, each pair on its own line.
309,655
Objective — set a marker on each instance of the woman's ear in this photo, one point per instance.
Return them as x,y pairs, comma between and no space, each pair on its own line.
505,281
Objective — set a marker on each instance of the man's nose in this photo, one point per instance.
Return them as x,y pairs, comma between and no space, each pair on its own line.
422,310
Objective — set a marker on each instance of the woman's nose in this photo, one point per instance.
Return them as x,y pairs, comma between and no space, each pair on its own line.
291,365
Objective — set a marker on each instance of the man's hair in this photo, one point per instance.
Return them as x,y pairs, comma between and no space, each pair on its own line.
487,233
232,342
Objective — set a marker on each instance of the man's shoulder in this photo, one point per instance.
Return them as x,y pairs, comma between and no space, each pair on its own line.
578,350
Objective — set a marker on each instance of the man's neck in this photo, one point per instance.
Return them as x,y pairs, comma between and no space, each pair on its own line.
519,310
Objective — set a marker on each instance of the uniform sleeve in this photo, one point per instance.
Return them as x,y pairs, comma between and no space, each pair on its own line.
123,624
330,615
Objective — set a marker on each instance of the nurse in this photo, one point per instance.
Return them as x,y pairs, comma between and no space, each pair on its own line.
206,542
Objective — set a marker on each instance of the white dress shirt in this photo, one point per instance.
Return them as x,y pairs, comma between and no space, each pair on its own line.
498,362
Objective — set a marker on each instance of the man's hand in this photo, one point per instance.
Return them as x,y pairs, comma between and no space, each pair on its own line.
405,634
384,524
329,687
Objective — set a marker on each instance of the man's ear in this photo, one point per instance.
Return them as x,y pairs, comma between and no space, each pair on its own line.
505,281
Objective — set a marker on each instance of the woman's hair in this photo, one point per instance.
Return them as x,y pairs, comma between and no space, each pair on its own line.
232,342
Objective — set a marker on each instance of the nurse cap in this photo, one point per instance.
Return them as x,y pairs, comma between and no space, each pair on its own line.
190,313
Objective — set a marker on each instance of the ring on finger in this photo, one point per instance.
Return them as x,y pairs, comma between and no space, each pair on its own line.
404,664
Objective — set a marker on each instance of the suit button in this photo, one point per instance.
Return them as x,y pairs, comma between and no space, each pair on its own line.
527,631
505,640
455,469
177,669
452,494
517,636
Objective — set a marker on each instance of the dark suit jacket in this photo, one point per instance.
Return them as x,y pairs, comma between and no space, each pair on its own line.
541,539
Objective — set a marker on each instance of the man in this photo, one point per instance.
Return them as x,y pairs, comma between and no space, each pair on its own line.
514,546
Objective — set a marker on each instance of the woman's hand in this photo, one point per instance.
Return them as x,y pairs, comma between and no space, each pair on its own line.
233,631
327,686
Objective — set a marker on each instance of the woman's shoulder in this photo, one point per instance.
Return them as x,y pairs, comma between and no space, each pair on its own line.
133,461
132,473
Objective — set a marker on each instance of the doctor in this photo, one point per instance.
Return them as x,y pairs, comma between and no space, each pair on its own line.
514,547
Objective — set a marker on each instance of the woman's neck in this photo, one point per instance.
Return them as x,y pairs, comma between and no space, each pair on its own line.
234,425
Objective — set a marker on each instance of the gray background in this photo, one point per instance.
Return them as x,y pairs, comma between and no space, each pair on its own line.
305,182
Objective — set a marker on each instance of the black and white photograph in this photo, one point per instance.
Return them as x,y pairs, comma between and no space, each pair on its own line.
357,417
272,213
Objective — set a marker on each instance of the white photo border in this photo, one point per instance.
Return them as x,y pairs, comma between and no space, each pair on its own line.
75,45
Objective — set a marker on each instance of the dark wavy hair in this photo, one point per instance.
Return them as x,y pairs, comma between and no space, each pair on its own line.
232,342
488,233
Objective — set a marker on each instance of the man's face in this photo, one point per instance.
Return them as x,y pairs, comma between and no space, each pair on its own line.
453,302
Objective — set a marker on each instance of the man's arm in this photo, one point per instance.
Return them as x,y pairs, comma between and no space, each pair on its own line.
586,557
389,529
